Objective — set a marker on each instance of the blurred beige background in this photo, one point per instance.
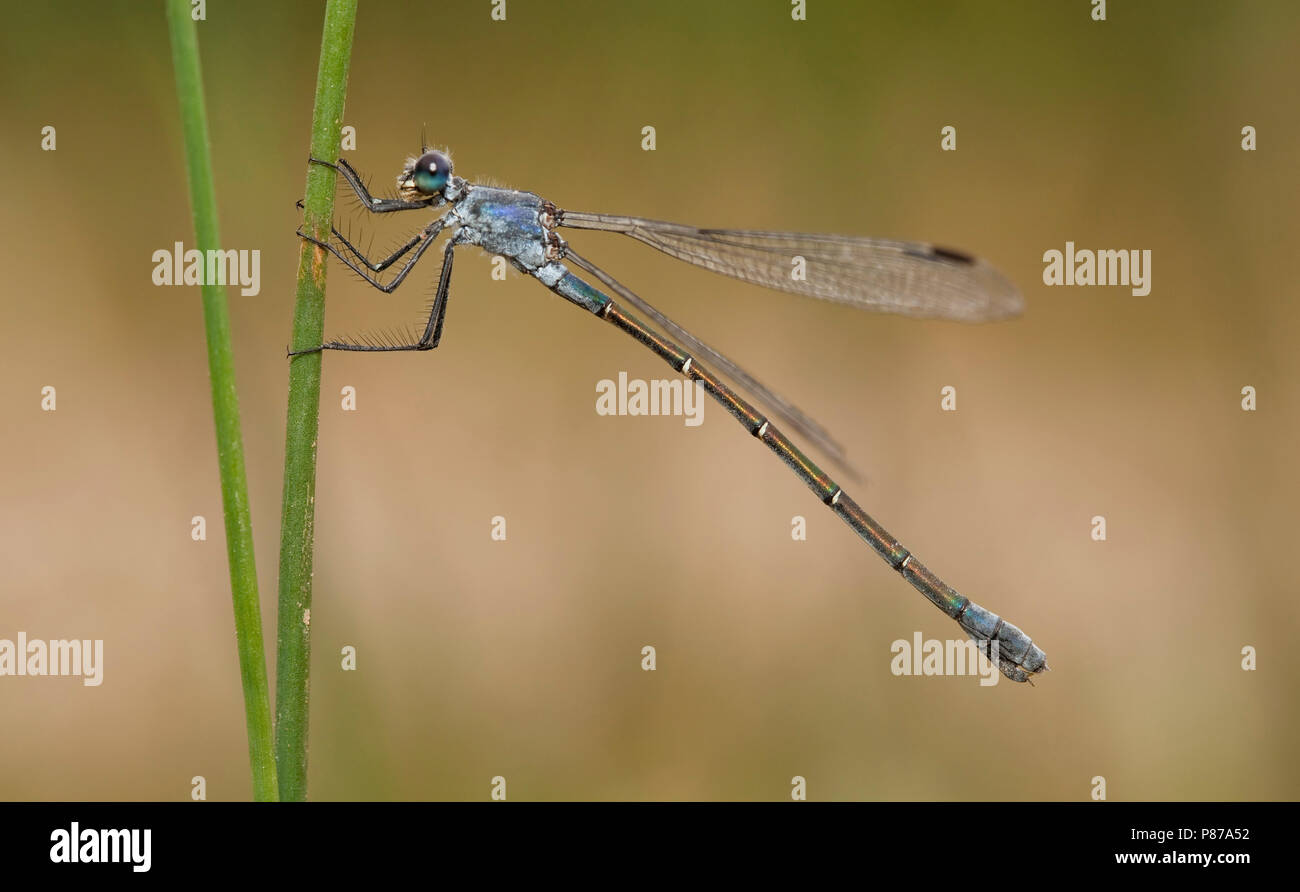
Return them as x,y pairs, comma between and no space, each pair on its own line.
479,658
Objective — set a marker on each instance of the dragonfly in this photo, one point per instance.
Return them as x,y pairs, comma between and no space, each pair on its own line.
909,278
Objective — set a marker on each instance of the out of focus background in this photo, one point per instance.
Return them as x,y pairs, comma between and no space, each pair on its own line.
478,658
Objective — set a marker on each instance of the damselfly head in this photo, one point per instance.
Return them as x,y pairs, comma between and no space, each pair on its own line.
425,177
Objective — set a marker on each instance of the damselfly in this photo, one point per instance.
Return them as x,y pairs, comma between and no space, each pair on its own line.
909,278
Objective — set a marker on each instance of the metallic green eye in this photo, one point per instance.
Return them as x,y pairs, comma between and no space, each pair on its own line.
431,173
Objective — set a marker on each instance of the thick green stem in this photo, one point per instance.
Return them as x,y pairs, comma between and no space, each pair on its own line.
225,407
293,656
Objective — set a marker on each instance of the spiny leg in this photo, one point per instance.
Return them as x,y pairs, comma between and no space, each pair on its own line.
377,265
372,204
425,238
432,329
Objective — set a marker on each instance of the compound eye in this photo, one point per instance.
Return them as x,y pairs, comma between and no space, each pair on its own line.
431,173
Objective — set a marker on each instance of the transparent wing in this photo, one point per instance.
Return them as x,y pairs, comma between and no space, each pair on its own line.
908,278
781,408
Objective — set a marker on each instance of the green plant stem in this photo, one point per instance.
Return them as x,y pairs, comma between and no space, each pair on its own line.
293,656
225,407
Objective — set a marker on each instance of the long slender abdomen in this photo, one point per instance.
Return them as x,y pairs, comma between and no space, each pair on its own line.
1018,658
